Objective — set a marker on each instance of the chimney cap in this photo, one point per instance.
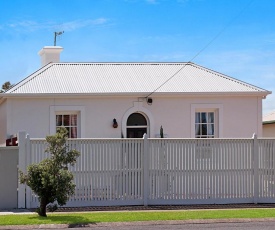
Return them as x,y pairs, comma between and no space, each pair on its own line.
50,54
50,49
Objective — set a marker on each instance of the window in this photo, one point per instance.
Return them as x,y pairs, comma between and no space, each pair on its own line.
206,120
204,125
69,121
71,117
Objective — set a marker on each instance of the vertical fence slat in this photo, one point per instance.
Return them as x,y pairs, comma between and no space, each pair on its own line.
256,168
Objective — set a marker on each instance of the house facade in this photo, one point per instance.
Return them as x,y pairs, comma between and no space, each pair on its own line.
114,100
269,125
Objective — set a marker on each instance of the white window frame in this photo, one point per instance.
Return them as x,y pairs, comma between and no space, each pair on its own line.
70,125
65,110
206,123
218,115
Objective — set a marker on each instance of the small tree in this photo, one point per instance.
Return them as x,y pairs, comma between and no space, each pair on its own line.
50,179
7,85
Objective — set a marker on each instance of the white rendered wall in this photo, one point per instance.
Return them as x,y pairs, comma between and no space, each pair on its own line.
3,122
241,116
269,130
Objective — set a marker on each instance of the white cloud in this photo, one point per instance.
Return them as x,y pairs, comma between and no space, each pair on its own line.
29,25
73,25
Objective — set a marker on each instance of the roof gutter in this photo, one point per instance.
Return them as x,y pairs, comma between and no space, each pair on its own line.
268,122
133,94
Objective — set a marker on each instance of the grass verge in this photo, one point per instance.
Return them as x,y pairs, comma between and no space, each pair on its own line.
97,217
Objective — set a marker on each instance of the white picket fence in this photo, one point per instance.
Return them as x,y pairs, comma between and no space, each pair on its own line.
162,171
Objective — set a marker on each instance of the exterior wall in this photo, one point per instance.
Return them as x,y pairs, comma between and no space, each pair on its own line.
269,130
3,122
8,177
239,116
242,117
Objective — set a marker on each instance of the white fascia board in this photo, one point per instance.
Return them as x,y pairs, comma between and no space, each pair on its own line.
135,94
69,95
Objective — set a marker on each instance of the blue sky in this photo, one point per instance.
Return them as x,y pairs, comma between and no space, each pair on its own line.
143,31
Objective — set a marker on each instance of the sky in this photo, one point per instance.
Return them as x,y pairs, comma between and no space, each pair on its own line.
233,37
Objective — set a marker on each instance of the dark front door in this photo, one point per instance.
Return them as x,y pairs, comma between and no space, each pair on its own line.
136,132
136,125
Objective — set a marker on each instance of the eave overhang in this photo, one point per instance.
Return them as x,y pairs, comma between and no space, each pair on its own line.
262,94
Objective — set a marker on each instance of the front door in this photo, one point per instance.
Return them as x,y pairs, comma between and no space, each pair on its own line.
136,132
136,125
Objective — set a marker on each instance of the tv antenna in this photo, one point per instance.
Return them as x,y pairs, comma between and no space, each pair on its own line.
57,34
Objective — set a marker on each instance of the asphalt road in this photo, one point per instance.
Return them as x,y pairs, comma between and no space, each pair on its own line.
220,226
261,224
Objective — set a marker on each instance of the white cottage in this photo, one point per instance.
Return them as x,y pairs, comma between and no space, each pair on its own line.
113,100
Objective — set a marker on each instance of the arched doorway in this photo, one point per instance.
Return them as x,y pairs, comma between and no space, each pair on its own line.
136,126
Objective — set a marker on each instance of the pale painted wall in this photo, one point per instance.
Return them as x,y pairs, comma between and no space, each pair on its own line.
269,130
240,117
3,122
8,177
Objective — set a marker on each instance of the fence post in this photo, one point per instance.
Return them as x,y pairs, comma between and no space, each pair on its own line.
28,162
21,201
145,170
256,167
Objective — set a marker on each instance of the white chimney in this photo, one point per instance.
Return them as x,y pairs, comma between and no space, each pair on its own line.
50,54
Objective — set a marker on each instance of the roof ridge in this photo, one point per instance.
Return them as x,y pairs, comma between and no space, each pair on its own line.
122,63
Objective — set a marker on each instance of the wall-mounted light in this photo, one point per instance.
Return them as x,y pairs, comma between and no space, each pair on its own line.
115,125
149,100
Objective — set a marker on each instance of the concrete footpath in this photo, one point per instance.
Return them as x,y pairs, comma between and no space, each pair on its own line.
15,212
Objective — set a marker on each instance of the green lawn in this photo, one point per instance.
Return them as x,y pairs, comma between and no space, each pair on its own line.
96,217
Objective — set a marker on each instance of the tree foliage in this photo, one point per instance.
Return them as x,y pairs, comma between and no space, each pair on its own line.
51,179
7,85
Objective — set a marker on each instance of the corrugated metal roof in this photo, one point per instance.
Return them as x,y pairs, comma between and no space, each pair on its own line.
114,78
269,118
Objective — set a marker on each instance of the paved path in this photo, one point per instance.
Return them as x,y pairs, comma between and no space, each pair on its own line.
16,212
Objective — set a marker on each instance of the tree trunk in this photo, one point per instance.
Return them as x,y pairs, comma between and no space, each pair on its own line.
43,205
